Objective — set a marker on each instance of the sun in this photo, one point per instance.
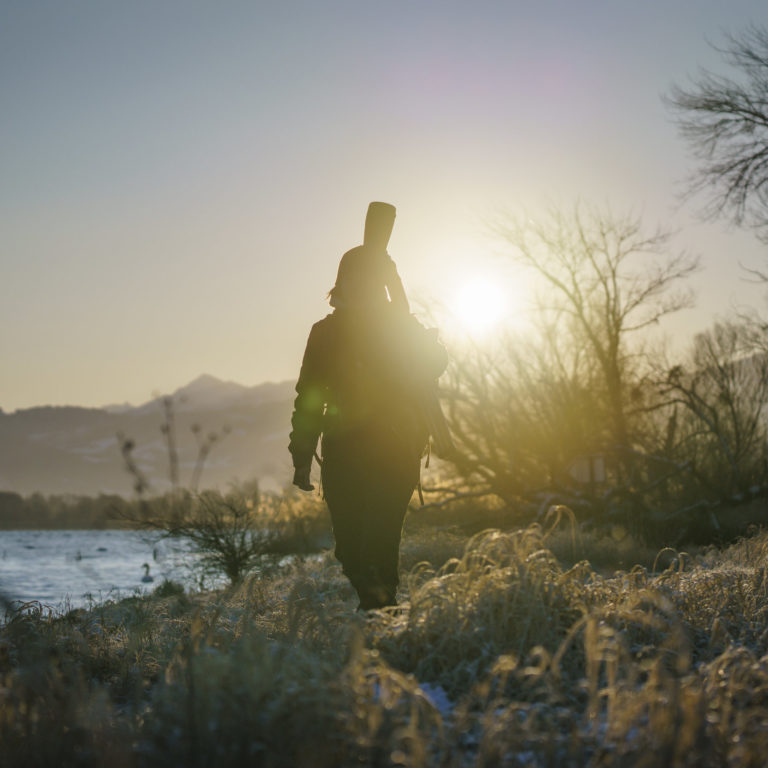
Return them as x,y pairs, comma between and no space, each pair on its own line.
479,305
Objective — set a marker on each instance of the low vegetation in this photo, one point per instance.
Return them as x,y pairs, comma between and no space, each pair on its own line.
229,535
508,648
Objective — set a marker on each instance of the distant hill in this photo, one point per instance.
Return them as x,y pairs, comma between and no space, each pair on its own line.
63,449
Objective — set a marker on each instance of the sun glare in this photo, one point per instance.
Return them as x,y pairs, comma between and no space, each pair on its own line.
479,305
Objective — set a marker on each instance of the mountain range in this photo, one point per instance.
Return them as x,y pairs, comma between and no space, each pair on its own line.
73,450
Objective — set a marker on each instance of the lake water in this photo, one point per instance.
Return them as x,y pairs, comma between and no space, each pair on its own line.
65,569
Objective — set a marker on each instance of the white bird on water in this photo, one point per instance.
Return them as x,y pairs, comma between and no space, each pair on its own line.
146,578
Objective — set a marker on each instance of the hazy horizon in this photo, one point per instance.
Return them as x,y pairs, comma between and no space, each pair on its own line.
180,180
205,377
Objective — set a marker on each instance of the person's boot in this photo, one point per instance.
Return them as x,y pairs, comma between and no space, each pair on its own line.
372,598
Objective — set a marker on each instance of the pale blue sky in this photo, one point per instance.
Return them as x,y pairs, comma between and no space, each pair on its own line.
179,179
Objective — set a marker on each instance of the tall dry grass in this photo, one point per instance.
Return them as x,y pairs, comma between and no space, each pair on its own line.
501,655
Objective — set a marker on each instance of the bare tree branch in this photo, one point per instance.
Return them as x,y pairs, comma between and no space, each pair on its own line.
725,123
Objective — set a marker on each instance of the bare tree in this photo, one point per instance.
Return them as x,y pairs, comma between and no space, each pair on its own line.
724,391
521,411
606,280
725,122
579,382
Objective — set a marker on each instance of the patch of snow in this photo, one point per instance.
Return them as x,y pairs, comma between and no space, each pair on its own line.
438,698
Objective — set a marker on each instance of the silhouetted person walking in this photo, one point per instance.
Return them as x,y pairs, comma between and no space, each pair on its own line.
367,370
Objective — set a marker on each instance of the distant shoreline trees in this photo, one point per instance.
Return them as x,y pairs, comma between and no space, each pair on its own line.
64,511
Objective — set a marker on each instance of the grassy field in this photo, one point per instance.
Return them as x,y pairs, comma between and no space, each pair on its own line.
507,649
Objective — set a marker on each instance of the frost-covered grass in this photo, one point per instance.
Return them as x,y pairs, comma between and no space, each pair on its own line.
500,653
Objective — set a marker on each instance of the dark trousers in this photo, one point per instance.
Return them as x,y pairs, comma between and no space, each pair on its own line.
368,480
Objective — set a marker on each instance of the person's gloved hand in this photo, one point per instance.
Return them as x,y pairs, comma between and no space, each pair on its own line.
301,478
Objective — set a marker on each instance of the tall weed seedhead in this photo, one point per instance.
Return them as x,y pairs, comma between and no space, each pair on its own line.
605,707
505,595
270,702
52,711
